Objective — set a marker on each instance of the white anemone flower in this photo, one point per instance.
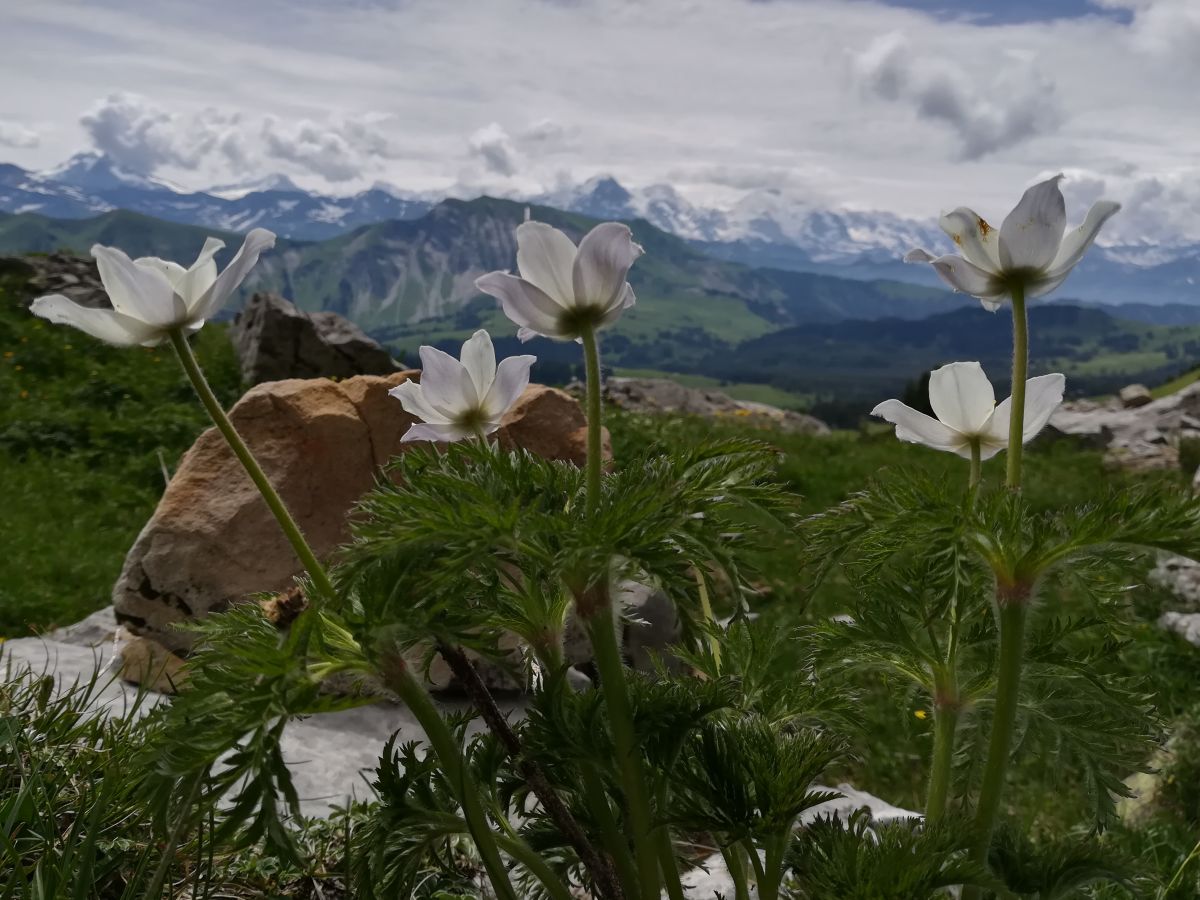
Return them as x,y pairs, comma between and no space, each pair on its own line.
1029,251
562,291
457,400
965,405
152,297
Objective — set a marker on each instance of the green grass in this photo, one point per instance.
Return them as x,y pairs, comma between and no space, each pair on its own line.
85,431
1176,384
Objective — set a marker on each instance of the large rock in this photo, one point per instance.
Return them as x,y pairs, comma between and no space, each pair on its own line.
212,541
1139,438
661,395
275,340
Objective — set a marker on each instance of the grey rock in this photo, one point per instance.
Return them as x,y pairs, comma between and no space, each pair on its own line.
96,630
76,277
661,395
1140,438
275,340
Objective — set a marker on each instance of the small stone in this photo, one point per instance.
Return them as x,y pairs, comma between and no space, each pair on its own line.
1134,395
142,661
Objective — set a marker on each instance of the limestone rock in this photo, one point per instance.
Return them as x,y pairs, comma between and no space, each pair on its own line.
275,340
1134,395
212,541
1140,438
665,396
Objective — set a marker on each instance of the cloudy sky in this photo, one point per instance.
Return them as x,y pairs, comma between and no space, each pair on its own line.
909,106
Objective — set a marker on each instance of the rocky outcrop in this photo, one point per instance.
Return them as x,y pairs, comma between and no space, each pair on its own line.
661,395
275,340
75,277
212,541
1140,438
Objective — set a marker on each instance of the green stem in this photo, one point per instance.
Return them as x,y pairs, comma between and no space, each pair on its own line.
760,874
669,864
629,757
291,530
976,464
615,841
1012,606
401,679
525,855
591,360
945,728
1175,879
768,889
168,855
735,862
666,848
714,645
1020,371
602,618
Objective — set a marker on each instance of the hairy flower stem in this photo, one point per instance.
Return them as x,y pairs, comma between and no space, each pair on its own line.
1012,602
714,645
400,678
595,461
629,757
615,839
947,705
945,728
291,530
735,862
600,868
601,616
773,867
1020,372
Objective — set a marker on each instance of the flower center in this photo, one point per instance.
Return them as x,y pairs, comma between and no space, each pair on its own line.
472,419
578,319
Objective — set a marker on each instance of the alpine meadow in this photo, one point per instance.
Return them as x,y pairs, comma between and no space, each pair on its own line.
600,450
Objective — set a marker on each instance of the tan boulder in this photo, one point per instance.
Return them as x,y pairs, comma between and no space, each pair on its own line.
212,541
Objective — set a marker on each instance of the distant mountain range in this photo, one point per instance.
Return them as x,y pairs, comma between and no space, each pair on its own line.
766,228
90,184
410,282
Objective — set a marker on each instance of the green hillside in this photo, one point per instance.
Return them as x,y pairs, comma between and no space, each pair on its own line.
412,281
1096,351
818,337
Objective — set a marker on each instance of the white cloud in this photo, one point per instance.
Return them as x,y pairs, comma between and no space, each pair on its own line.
493,146
17,136
144,137
1155,209
990,105
338,150
1169,28
719,97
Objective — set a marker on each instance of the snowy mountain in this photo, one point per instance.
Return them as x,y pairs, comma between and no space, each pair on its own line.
765,228
89,184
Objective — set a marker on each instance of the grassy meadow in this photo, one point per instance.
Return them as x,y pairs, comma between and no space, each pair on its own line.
86,432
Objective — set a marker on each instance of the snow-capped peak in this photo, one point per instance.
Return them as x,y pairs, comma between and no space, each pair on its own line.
97,172
274,182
